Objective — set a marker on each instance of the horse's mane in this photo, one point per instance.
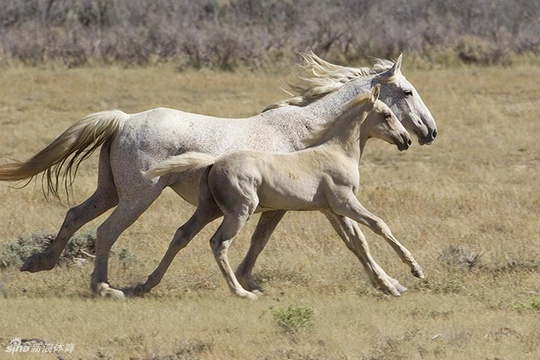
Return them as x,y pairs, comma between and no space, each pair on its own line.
321,78
349,109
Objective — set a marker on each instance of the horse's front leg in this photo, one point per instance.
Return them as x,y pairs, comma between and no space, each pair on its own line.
356,242
265,227
343,202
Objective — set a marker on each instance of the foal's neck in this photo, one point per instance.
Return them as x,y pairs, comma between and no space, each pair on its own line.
345,134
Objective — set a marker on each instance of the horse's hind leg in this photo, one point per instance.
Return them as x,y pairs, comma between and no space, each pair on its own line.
265,227
202,216
124,215
356,242
104,198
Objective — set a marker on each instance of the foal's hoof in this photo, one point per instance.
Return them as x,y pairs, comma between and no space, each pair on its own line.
394,288
400,288
393,291
418,273
36,263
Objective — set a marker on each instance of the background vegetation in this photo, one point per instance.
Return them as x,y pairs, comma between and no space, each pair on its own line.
227,34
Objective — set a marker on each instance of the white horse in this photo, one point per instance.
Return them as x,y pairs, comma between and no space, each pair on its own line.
321,177
131,144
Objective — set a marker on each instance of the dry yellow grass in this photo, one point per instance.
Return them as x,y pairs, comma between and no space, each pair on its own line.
474,191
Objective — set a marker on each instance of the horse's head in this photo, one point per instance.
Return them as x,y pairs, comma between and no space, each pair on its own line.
382,123
406,103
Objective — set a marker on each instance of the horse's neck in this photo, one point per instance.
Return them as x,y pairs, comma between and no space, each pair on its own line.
301,123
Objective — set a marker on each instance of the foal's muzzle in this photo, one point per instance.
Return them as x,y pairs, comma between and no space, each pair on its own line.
405,144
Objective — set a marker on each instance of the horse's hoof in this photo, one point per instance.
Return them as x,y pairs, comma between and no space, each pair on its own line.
104,290
139,290
35,263
258,292
248,295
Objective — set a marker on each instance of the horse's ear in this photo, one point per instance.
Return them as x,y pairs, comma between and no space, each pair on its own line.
396,68
375,92
397,65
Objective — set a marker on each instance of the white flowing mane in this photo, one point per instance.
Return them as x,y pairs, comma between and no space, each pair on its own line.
321,78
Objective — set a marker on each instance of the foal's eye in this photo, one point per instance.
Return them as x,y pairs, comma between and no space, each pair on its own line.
407,92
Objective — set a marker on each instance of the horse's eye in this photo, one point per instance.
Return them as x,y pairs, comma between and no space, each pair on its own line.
407,92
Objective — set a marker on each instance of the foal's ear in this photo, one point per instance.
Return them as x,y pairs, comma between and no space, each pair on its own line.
375,92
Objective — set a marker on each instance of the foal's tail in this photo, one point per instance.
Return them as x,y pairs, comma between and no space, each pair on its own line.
62,157
187,161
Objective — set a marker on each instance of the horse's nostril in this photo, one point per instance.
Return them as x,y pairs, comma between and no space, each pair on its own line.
409,142
434,134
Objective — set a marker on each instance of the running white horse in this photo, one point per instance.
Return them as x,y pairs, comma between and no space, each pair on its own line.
324,176
131,144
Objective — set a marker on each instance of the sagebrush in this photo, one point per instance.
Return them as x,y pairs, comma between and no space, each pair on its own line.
226,35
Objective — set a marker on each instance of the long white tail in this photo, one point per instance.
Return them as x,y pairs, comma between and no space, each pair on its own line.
187,161
61,158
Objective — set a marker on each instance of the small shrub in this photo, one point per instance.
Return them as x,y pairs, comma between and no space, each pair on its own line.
79,249
533,305
126,257
293,318
461,258
15,252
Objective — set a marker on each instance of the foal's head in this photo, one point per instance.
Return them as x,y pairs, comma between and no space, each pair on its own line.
381,123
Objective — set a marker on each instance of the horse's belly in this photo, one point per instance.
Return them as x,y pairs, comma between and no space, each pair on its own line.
187,186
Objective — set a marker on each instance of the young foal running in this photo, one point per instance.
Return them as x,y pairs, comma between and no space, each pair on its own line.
324,176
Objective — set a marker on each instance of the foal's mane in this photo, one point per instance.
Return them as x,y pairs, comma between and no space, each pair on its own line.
321,78
349,109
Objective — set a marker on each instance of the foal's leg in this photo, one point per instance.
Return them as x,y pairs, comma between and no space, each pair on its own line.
104,198
355,240
265,227
343,202
220,243
202,216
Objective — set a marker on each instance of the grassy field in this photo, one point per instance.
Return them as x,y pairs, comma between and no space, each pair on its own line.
466,206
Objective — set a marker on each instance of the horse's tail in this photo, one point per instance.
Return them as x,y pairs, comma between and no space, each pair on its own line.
187,161
62,157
